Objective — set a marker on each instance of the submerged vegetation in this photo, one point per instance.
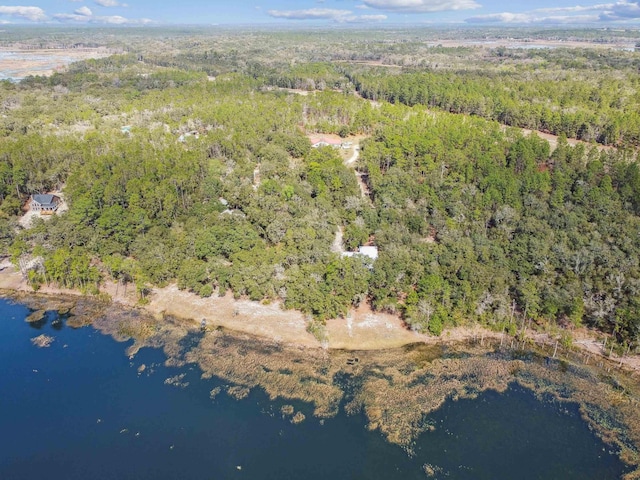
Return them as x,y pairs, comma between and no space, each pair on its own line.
187,160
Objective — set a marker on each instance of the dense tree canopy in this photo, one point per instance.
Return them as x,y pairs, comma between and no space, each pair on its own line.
173,175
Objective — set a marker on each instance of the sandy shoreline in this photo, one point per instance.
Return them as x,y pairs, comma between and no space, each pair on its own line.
362,329
394,389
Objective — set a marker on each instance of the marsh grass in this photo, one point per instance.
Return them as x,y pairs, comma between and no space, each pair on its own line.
36,316
396,389
238,392
286,410
42,341
299,417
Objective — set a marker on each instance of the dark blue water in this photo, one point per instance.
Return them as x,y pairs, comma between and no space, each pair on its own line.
80,410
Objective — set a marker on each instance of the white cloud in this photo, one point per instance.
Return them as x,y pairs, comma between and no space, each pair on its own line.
504,17
622,10
71,17
85,11
110,3
421,6
339,16
310,14
80,16
34,14
577,8
528,18
362,18
115,20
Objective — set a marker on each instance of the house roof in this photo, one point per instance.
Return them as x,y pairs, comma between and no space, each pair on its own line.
45,199
371,252
328,141
365,251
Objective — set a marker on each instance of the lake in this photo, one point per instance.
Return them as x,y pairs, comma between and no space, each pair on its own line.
81,408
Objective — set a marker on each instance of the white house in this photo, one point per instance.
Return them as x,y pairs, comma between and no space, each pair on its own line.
326,142
363,251
371,252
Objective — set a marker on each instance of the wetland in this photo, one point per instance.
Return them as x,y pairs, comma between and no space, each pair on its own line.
116,392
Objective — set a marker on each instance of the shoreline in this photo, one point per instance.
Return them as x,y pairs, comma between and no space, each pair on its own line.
362,329
396,389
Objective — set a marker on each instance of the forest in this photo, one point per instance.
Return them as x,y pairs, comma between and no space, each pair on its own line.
214,184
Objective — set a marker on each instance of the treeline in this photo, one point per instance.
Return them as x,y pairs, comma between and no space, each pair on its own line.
247,206
601,110
472,224
214,185
308,76
571,92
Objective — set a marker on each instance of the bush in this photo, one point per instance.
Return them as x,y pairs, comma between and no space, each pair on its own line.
436,325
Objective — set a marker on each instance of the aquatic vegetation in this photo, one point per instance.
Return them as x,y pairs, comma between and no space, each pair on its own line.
395,389
36,316
42,341
238,392
431,470
287,410
299,417
214,392
176,381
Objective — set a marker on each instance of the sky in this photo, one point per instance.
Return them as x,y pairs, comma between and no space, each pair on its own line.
303,13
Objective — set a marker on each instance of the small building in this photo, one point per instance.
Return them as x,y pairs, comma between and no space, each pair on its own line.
46,204
371,252
194,133
368,252
326,142
234,213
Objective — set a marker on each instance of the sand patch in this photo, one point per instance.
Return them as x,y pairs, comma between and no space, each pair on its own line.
10,279
364,329
269,321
